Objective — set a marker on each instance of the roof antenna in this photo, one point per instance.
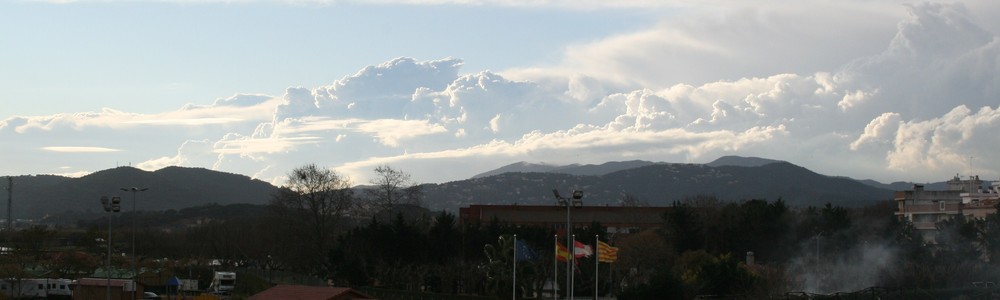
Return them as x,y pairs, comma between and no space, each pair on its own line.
972,187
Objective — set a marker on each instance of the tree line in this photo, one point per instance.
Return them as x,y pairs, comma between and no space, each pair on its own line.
380,236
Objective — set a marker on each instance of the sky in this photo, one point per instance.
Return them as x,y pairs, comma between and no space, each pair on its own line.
447,89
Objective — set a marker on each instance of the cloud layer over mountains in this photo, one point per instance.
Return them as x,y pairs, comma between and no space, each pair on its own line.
909,93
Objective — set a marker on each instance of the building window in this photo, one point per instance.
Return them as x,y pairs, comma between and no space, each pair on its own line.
942,205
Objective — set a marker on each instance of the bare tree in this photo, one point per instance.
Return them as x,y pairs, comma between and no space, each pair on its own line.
629,200
312,203
391,187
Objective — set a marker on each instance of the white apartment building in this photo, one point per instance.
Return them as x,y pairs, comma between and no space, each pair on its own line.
925,208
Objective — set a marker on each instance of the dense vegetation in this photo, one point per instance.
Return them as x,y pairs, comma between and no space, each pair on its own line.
700,250
318,227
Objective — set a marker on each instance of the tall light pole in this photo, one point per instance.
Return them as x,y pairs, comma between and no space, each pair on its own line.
110,206
135,265
569,203
10,201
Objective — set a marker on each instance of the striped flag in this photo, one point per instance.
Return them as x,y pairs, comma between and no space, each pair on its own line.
562,254
581,250
606,253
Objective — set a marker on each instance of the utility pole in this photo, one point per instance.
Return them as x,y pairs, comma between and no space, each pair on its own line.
10,201
135,261
111,205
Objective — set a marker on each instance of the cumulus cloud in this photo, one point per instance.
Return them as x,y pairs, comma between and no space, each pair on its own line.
192,153
947,141
880,130
77,149
901,93
939,56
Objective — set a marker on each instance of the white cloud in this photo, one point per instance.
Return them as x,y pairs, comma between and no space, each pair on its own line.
853,99
580,144
946,143
566,4
192,153
854,88
187,122
251,147
390,132
73,174
879,130
938,57
78,149
729,41
115,119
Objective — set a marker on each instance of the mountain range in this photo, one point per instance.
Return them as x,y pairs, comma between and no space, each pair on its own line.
168,188
730,178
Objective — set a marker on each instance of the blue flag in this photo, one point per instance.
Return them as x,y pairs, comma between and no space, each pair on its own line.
524,252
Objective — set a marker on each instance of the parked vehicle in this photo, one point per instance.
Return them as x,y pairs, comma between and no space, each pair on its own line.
36,288
223,283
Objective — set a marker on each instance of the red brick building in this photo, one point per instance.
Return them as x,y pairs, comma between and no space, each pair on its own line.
616,219
97,288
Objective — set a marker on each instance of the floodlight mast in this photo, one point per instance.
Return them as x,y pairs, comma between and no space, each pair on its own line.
135,260
112,205
569,203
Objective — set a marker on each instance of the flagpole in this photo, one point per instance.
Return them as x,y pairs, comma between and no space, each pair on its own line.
597,262
555,267
513,288
572,265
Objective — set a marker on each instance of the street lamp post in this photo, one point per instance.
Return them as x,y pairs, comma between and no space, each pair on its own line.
135,265
110,206
569,203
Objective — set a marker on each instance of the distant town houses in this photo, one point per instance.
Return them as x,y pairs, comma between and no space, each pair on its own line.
966,197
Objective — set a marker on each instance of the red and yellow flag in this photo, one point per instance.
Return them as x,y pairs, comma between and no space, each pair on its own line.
562,254
606,253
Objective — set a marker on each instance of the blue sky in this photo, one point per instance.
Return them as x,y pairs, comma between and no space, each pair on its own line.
887,90
145,56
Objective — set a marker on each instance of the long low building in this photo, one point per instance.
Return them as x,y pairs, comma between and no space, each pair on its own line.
616,219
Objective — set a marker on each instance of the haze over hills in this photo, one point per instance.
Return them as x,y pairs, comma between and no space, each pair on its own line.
573,169
169,188
741,161
730,178
614,166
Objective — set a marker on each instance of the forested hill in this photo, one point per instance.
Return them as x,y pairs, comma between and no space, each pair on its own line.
651,183
169,188
661,184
